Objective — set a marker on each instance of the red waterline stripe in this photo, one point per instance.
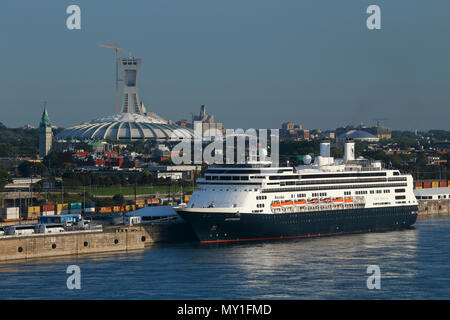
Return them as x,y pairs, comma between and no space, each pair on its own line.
289,237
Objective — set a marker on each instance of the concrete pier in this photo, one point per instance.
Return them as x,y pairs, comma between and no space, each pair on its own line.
428,208
111,239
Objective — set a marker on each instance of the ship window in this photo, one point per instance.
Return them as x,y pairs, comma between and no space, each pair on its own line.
399,190
244,177
400,197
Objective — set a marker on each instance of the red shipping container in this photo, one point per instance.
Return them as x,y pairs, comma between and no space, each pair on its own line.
427,184
48,207
418,184
443,184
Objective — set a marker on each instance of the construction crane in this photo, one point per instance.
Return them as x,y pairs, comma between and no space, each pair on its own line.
378,120
116,49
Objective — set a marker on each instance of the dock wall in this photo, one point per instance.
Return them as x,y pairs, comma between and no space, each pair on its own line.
74,243
433,208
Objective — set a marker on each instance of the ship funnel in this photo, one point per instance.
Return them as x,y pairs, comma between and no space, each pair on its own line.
325,148
349,150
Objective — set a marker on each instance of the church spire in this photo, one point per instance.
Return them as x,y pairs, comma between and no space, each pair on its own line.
45,120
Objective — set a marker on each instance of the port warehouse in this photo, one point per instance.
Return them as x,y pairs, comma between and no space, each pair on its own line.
12,214
433,201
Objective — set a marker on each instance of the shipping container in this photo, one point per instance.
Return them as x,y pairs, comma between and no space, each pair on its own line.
427,184
30,215
36,209
116,209
443,184
435,184
48,207
10,214
90,204
105,210
418,184
75,205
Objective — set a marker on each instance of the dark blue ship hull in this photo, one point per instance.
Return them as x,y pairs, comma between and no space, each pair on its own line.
224,227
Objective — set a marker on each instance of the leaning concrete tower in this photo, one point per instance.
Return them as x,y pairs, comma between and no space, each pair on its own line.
130,68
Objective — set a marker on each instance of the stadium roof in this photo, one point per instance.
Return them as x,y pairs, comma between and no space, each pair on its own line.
126,127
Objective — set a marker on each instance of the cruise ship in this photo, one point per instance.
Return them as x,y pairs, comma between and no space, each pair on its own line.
257,201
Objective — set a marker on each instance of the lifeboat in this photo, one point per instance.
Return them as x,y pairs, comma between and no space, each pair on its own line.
327,200
300,202
287,203
310,201
338,200
348,200
275,205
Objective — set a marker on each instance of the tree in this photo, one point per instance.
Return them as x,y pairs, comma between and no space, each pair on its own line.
29,168
4,178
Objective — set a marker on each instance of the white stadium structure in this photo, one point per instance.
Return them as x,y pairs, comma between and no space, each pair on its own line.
134,123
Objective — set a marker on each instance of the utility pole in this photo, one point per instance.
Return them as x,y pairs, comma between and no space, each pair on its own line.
116,49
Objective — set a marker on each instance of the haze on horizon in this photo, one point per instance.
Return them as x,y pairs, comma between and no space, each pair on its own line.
253,63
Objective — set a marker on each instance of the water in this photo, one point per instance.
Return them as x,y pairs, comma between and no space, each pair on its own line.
414,264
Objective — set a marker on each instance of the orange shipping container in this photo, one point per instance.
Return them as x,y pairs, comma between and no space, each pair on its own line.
435,184
443,184
105,209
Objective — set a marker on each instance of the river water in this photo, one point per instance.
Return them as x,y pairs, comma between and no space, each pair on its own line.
413,264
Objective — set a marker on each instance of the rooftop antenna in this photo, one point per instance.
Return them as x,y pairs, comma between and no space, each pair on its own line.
116,49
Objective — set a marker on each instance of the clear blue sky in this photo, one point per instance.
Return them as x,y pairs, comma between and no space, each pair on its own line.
253,63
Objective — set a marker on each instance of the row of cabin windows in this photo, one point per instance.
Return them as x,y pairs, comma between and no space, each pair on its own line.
261,197
237,178
260,205
319,194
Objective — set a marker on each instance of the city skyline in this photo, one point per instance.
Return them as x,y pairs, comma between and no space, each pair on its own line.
252,64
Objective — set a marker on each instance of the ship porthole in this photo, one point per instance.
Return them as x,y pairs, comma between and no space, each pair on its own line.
20,249
54,246
143,239
116,241
86,243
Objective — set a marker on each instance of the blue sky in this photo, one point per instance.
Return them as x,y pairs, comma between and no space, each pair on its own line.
253,63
